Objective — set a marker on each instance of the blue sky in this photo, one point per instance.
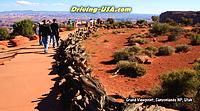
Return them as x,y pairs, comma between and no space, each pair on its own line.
138,6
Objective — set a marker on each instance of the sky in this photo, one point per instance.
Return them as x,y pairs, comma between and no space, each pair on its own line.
138,6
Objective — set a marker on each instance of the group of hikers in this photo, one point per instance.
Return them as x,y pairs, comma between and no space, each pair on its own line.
48,31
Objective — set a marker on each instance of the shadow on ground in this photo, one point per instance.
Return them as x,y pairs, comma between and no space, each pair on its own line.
110,62
50,101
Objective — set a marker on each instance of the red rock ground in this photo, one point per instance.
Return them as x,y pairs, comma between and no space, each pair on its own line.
101,51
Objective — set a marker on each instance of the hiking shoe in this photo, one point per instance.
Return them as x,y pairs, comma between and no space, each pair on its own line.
45,52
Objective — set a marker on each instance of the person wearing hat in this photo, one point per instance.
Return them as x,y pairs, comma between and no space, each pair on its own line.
45,32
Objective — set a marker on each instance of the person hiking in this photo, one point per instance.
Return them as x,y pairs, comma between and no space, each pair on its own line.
55,33
45,32
37,28
49,23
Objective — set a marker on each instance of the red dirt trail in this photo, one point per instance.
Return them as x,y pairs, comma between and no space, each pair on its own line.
25,83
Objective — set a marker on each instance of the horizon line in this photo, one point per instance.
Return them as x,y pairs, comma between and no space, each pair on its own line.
83,13
66,11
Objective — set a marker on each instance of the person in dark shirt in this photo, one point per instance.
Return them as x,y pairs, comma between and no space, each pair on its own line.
55,33
45,32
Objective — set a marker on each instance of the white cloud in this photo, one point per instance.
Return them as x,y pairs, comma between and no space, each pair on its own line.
26,3
58,4
23,2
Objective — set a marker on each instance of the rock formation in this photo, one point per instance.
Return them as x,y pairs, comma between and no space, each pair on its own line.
19,40
177,16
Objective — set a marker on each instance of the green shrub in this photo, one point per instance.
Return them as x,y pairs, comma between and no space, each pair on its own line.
182,48
197,60
126,53
96,35
121,55
109,26
196,30
155,18
140,41
188,34
134,49
129,24
197,64
131,69
175,33
159,29
24,28
141,22
151,48
132,41
178,84
195,39
116,32
171,22
110,21
4,34
139,35
166,50
135,35
122,24
176,30
69,28
186,21
173,37
151,51
117,24
197,101
183,83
